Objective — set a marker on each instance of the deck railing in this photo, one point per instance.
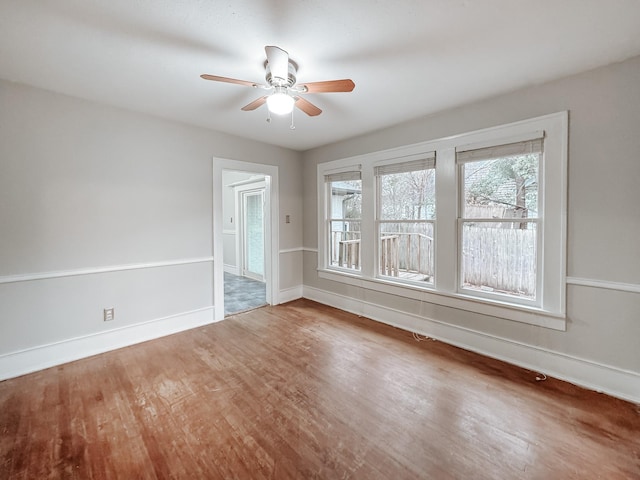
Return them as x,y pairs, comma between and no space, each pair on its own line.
500,259
400,252
345,248
404,253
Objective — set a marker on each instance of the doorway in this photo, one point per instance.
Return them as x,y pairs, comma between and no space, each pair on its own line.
251,237
245,236
243,206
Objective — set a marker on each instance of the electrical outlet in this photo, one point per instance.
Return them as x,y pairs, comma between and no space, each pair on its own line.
109,314
287,219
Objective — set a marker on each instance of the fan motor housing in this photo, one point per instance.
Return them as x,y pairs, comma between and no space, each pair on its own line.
276,82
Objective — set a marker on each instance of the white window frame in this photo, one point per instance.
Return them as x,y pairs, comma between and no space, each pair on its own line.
329,213
429,162
551,311
537,137
324,210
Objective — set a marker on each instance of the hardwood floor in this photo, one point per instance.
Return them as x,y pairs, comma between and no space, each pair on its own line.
306,391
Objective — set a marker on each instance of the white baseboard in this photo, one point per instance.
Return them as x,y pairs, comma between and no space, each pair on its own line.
30,360
290,294
231,269
585,373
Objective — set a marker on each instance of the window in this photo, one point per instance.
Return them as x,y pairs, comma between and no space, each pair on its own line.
344,214
405,219
483,229
498,222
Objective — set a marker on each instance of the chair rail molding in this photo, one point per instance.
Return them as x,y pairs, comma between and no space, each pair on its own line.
27,277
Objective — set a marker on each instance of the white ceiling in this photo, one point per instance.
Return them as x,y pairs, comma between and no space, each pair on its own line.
408,58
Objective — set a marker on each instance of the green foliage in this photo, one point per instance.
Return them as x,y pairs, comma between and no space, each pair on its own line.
509,181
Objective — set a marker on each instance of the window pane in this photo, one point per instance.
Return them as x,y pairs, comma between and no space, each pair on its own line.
346,199
407,250
501,187
254,231
345,243
344,223
408,195
500,259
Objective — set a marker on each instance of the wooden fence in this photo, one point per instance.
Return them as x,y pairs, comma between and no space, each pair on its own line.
500,259
493,259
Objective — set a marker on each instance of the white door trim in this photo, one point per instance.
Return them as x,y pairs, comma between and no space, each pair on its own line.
241,197
272,233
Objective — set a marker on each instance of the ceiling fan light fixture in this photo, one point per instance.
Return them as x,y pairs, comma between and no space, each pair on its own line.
280,102
281,79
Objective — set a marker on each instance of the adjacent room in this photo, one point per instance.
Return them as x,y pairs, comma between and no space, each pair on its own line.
355,240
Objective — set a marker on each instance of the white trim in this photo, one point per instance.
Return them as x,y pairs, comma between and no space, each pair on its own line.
272,237
44,356
290,294
452,141
228,232
252,179
241,192
517,138
233,269
621,287
309,249
504,311
550,309
611,380
96,270
292,250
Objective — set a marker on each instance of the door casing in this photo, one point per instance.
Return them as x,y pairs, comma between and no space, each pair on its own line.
272,234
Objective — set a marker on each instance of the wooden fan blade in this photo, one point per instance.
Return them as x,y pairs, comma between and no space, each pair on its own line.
307,107
344,85
278,61
255,104
216,78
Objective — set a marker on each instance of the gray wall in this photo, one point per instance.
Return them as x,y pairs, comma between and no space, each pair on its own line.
603,221
86,186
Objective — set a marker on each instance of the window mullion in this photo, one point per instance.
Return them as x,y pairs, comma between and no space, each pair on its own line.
446,214
368,226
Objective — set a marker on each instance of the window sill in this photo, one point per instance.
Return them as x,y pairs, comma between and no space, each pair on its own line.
530,316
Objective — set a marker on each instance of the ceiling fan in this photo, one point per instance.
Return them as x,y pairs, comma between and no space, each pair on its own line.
281,81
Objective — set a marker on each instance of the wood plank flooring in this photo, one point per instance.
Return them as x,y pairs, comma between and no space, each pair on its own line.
306,391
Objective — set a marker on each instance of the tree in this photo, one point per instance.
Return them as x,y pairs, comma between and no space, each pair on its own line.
408,195
510,181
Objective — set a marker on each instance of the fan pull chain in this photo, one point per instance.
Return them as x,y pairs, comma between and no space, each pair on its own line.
268,116
292,126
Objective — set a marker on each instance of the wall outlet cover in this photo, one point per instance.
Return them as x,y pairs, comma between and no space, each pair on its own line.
109,314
